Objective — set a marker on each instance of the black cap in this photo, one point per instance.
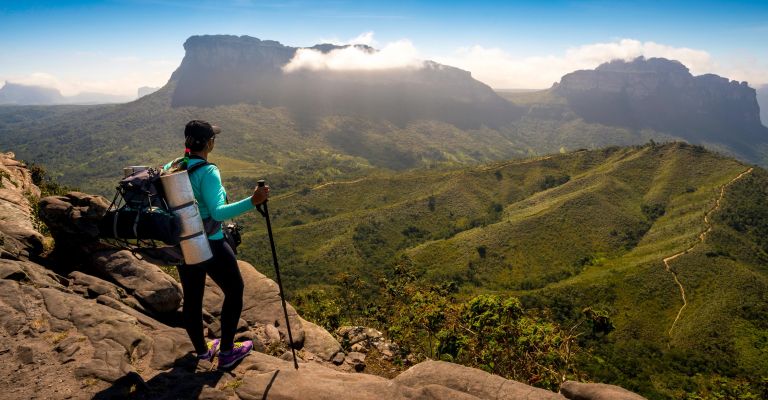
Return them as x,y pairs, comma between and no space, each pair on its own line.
201,131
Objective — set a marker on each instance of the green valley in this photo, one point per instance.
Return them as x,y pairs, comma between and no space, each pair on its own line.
585,229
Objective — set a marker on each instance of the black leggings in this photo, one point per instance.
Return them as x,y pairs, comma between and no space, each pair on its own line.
224,271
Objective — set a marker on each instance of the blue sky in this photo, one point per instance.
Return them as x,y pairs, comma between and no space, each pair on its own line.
116,46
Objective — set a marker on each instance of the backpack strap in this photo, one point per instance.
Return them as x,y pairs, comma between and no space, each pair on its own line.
198,165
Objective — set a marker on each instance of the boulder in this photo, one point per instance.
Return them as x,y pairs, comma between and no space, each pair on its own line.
73,221
261,303
472,381
319,341
155,290
596,391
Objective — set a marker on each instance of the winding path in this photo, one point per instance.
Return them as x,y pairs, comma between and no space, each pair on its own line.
291,194
702,236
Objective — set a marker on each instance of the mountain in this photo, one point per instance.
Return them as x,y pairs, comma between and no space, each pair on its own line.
145,90
663,95
96,98
666,242
220,70
762,100
305,127
14,93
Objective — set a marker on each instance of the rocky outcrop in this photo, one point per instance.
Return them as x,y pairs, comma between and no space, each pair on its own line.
663,95
18,237
223,69
73,222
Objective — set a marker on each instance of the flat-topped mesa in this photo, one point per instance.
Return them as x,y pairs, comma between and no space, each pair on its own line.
663,95
220,70
14,93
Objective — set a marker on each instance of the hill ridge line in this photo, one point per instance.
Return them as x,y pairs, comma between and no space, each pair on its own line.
702,237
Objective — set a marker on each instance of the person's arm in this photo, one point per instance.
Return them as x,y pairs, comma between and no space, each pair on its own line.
215,198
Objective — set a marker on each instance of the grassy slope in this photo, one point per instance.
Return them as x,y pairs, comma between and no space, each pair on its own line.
586,242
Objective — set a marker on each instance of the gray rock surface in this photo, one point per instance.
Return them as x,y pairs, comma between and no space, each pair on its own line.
472,381
596,391
319,341
18,237
155,289
267,377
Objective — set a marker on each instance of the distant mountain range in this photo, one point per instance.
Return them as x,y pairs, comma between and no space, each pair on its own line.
18,94
310,125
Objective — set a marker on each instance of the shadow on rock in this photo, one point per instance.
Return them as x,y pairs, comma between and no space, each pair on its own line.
188,379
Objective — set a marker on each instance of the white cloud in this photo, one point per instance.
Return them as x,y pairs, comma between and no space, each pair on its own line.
399,54
501,69
365,38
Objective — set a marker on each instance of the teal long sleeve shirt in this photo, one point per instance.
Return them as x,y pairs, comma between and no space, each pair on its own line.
211,196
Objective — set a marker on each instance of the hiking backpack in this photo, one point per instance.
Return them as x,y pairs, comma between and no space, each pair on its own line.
139,210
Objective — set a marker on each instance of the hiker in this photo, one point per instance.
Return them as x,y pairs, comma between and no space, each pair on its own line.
200,137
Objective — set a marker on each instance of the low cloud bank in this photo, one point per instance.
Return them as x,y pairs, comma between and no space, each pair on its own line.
399,54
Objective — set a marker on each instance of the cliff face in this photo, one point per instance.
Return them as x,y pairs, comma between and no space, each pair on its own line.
219,70
762,100
663,95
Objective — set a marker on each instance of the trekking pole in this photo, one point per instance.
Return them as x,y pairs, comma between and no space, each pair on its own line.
264,210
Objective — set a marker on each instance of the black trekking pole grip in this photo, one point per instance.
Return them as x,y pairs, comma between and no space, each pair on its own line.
261,207
265,211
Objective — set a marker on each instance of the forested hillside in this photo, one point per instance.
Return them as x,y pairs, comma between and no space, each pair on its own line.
619,231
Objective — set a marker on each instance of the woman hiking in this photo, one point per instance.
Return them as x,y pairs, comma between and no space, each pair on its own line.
211,198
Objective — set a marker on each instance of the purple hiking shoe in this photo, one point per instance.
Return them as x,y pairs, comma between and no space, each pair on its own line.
213,348
238,352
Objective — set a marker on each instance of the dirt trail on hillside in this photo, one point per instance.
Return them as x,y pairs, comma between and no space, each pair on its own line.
702,237
287,195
